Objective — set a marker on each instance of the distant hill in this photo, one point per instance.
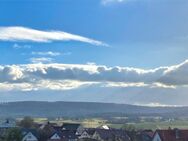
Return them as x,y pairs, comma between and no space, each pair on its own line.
84,109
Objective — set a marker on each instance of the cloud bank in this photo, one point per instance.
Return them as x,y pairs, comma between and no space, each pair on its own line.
33,35
63,76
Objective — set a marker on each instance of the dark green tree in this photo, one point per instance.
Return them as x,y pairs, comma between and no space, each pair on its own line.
27,122
13,134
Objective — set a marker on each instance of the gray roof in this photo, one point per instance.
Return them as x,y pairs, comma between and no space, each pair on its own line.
70,126
112,134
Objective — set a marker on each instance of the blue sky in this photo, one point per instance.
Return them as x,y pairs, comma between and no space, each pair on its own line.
135,30
142,34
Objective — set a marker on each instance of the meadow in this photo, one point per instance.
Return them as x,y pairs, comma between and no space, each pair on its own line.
96,122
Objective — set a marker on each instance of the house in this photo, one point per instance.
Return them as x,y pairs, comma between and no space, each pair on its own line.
46,130
106,127
69,135
110,135
64,135
70,126
171,135
5,125
56,136
74,127
87,133
120,135
30,135
145,135
103,135
47,125
49,128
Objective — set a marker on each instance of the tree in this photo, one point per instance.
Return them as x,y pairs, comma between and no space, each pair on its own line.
27,122
45,132
13,134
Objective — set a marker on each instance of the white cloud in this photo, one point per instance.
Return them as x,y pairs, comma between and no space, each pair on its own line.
57,74
43,85
10,73
156,104
50,53
161,86
16,46
122,84
33,35
41,60
176,75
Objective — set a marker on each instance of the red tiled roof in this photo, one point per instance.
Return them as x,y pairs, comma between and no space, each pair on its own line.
173,135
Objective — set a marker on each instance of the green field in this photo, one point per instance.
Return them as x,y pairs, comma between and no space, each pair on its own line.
96,122
90,123
156,125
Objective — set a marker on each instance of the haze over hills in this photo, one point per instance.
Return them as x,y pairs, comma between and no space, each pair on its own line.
84,109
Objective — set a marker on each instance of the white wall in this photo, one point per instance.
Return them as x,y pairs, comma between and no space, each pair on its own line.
156,137
29,137
55,137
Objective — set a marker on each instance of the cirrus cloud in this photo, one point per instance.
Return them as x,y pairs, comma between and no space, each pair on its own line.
50,53
18,33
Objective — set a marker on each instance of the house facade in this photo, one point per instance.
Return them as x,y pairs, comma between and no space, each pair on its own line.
157,137
55,136
29,137
85,135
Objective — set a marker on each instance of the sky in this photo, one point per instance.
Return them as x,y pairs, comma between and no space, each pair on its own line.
117,51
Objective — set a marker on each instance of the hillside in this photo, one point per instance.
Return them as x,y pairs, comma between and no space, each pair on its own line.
84,109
